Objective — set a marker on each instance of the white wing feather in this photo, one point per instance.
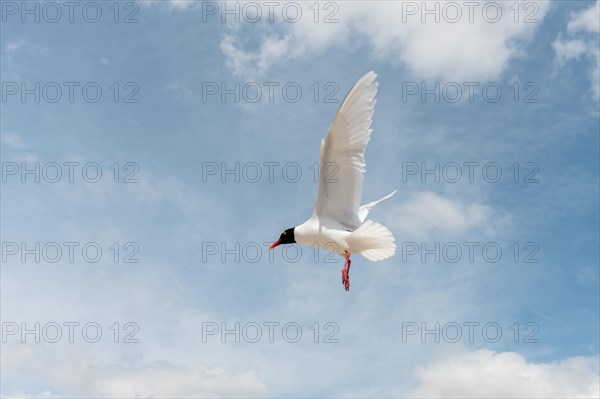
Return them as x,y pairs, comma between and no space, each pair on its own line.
342,156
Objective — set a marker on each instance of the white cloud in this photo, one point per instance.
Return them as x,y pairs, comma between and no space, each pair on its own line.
586,20
427,212
176,5
569,49
22,44
181,4
180,90
22,395
178,382
238,60
485,374
442,50
14,46
587,23
17,148
14,140
148,381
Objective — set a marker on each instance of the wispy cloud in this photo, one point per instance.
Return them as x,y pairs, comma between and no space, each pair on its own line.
14,140
24,45
427,213
581,40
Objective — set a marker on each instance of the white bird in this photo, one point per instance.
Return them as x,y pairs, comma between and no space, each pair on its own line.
338,223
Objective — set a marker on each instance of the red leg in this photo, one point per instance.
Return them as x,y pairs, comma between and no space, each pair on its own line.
346,272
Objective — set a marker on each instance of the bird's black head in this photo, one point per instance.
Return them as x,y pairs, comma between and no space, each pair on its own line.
287,237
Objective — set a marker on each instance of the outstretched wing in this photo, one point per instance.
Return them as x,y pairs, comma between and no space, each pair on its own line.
343,155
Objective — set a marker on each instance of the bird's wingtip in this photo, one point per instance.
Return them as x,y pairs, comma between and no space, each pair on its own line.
371,75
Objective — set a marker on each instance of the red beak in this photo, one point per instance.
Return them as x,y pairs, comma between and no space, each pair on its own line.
276,243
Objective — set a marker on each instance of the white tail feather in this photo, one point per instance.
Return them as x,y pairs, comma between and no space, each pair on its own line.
373,240
363,211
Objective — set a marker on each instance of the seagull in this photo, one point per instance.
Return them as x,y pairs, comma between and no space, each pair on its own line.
338,222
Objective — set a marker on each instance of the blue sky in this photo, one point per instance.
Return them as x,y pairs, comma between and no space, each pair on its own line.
172,216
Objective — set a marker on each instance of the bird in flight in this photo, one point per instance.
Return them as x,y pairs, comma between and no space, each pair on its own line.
338,223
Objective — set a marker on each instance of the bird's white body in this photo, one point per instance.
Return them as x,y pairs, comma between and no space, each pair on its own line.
330,238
